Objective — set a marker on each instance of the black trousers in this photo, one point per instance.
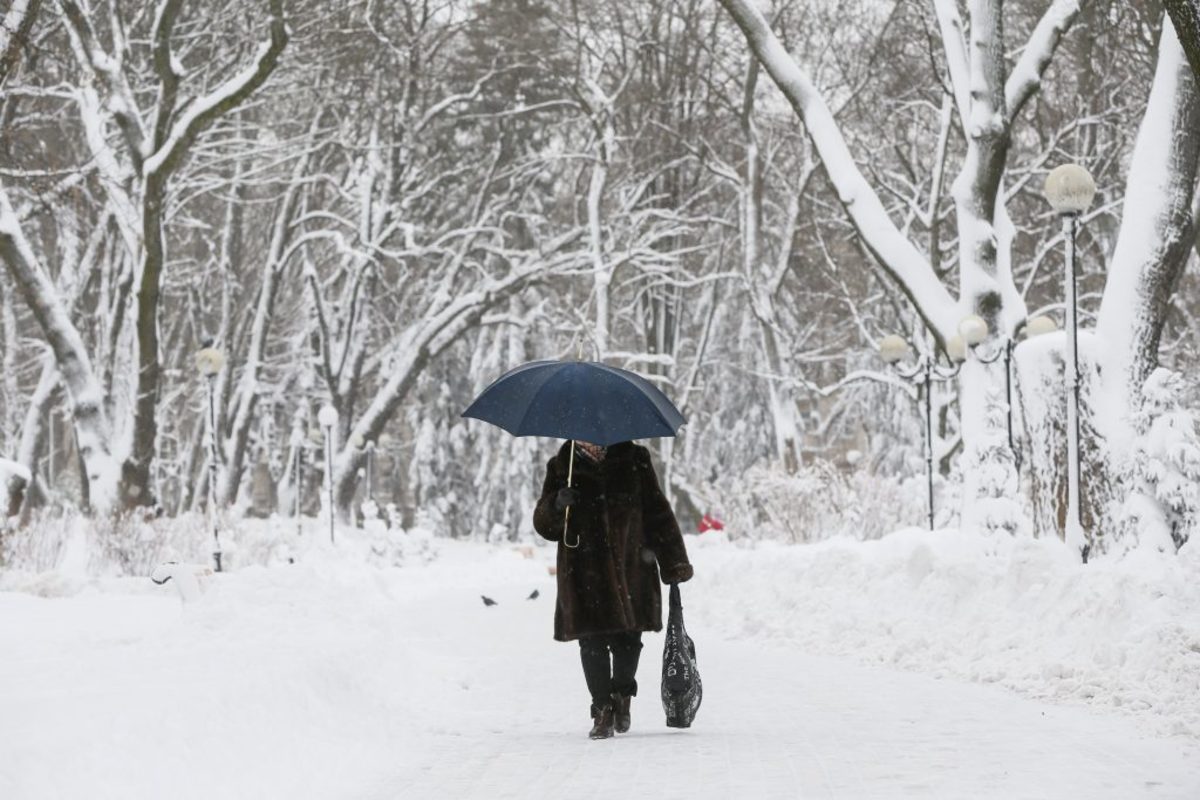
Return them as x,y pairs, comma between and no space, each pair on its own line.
606,677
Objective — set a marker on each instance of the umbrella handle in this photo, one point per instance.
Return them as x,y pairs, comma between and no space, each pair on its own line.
567,515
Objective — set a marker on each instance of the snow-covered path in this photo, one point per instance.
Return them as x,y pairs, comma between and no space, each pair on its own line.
777,723
329,681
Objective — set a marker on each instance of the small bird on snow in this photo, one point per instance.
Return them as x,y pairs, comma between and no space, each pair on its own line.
533,595
487,601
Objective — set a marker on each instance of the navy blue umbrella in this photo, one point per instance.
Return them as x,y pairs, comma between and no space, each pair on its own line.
582,400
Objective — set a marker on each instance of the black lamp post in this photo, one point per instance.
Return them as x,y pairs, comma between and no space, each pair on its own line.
298,442
893,350
370,471
1036,326
328,417
209,361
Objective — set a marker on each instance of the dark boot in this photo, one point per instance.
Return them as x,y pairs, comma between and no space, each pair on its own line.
602,718
621,717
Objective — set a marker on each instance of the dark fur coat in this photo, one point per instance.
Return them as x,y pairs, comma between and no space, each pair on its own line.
624,524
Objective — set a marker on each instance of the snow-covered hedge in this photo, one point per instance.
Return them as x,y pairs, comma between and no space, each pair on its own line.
73,547
818,502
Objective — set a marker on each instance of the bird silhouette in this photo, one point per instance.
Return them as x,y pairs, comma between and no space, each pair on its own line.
533,595
487,601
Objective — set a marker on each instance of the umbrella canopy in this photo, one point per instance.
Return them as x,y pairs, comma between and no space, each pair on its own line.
582,400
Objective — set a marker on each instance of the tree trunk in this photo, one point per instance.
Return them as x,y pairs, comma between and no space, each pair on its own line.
1156,240
1185,15
601,271
136,489
763,284
1040,368
33,435
246,395
92,426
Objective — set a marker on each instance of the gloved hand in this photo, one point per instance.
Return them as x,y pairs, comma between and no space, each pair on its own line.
678,573
566,497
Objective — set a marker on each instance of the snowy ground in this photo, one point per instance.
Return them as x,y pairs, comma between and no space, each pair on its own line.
328,679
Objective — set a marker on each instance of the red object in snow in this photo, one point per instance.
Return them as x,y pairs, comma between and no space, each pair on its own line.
710,523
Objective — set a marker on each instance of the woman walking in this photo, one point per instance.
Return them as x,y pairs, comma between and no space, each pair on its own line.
621,525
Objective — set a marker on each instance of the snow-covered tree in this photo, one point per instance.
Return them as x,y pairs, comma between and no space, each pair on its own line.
420,196
989,95
1185,16
1163,511
157,132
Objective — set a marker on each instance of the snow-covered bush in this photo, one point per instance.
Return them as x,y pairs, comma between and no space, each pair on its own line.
135,545
818,502
996,505
1163,507
397,547
35,547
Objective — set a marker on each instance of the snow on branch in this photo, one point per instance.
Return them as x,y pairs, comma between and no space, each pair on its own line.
440,107
442,326
865,376
164,67
1026,75
43,299
884,240
955,45
32,430
87,395
203,111
107,70
14,28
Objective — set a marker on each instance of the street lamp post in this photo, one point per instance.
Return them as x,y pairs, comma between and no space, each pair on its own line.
328,417
1005,352
893,350
1069,189
298,468
974,330
370,470
1035,326
209,361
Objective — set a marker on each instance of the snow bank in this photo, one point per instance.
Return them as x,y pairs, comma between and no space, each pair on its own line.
1022,613
329,677
1119,632
312,679
59,555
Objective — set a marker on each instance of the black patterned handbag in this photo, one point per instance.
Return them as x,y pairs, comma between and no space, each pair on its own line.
681,686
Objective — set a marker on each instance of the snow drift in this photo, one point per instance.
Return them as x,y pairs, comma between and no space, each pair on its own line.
1022,613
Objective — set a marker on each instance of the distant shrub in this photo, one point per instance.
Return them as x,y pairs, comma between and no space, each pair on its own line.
818,502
